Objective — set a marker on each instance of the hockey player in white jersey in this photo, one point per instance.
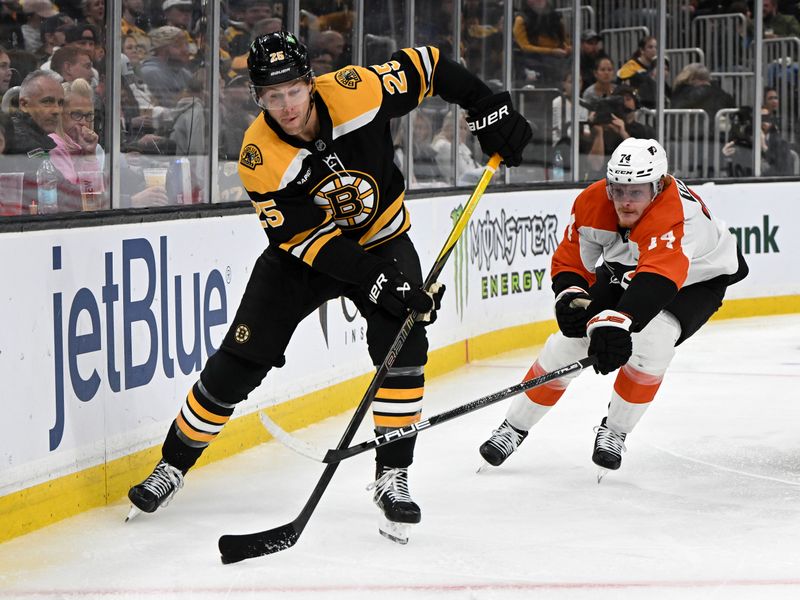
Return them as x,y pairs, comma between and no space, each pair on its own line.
664,265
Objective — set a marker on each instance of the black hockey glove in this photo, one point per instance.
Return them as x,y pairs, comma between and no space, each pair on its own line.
572,311
392,291
610,340
500,128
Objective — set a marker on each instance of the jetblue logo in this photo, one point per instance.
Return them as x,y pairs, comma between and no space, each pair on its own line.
143,318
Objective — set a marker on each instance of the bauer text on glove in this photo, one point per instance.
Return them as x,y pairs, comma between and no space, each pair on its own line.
500,128
392,291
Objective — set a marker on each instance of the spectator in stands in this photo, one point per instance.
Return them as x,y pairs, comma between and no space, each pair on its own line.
81,36
591,52
542,39
134,21
244,16
604,85
22,63
692,88
41,102
776,159
178,13
238,111
72,63
321,62
52,32
36,11
134,50
94,13
188,132
777,24
772,103
329,42
165,72
5,71
637,72
469,171
617,118
6,132
77,147
11,25
562,112
424,169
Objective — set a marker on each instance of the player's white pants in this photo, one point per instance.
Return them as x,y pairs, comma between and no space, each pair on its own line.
634,388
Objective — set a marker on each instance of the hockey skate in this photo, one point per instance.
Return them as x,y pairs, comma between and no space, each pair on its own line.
155,491
503,442
393,498
608,448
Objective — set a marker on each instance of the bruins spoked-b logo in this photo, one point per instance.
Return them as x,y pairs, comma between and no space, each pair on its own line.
242,334
348,78
351,198
251,156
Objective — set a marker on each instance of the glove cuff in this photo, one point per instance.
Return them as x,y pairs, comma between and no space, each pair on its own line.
609,318
573,289
488,102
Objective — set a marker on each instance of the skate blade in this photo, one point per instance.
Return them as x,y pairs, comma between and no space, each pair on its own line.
394,531
601,472
133,513
484,466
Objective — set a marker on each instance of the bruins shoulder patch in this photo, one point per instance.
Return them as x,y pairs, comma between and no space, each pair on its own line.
251,156
348,78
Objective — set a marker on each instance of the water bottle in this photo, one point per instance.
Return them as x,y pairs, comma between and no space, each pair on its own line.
47,186
558,166
179,182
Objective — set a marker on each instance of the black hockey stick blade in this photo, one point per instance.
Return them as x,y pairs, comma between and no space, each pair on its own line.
339,454
234,548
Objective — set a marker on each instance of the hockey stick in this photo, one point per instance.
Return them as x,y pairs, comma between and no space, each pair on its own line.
234,548
339,454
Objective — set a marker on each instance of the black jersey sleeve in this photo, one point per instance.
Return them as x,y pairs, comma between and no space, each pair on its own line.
413,74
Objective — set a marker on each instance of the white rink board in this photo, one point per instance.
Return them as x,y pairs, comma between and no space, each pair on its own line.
82,401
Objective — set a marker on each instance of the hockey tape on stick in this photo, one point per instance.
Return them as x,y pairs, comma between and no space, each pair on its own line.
234,548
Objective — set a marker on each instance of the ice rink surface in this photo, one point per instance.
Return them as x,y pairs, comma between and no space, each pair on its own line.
706,504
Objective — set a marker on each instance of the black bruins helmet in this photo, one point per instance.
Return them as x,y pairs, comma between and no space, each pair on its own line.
277,58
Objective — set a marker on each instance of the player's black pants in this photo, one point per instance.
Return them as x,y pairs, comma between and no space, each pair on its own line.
281,292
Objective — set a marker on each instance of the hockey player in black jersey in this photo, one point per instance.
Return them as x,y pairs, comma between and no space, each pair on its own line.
318,166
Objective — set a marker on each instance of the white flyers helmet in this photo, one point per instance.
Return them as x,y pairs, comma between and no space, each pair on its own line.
638,161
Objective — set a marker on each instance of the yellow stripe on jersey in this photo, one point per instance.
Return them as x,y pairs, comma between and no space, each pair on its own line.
266,163
381,222
424,59
313,249
353,96
304,240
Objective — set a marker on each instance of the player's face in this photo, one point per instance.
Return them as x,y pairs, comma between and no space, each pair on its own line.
630,201
287,103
